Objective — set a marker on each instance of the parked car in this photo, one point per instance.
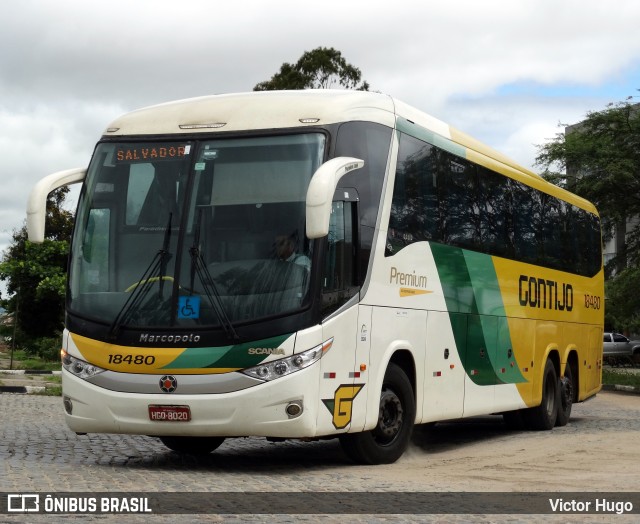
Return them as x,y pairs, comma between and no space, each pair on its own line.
617,346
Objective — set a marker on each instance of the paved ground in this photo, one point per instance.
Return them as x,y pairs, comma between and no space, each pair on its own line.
597,451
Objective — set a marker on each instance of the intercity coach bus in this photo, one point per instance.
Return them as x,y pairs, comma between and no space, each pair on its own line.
317,264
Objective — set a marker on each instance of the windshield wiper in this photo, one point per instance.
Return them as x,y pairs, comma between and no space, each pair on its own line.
198,267
154,272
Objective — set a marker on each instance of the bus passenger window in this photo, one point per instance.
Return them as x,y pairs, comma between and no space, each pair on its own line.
415,208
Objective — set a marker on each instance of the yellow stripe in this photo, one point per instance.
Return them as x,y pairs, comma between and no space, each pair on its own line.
412,292
132,359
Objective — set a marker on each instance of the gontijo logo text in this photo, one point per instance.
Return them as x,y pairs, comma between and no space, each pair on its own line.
546,294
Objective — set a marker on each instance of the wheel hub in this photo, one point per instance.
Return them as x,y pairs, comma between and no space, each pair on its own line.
391,416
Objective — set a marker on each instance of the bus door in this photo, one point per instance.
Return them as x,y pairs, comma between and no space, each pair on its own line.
344,368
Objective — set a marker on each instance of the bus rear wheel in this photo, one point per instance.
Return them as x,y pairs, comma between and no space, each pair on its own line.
543,417
386,442
566,386
192,445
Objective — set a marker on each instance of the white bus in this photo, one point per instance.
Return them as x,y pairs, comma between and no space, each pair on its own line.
315,264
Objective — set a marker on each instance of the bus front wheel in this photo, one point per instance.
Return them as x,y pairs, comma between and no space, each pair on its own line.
192,445
386,442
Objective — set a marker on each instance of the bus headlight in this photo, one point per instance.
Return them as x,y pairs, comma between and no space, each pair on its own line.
286,366
78,367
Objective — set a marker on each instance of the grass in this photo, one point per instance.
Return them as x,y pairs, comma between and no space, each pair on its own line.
21,360
55,391
621,377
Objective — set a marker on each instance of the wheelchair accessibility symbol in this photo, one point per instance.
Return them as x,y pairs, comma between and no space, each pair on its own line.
188,307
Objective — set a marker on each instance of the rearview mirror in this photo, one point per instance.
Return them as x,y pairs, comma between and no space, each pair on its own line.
37,203
320,193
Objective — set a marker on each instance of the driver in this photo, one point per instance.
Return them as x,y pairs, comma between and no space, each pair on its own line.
286,251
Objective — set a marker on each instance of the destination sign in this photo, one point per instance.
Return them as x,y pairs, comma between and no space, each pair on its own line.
144,152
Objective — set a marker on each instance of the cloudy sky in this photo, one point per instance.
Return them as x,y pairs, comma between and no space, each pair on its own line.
505,71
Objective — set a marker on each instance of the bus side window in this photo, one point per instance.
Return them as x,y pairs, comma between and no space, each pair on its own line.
339,276
95,251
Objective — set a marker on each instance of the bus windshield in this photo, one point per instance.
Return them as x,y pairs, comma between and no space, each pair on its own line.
194,233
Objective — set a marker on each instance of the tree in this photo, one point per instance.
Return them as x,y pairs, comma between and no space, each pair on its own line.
36,274
599,159
321,68
623,300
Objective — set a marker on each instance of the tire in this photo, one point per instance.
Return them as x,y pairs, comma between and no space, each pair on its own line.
543,417
386,443
192,445
566,386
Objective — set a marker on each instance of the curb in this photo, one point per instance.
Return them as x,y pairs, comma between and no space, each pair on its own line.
28,390
624,389
28,372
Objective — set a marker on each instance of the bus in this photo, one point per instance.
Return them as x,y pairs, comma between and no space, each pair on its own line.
319,264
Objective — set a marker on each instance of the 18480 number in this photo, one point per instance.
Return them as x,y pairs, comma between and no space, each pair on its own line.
591,301
147,360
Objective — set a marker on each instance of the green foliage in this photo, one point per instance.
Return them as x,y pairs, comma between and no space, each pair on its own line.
27,360
46,348
599,159
36,275
623,300
320,68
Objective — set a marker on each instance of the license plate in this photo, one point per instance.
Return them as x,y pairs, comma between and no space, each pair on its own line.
163,413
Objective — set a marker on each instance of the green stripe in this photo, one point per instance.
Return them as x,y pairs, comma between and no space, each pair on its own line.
484,281
234,356
196,358
238,357
421,133
476,310
477,359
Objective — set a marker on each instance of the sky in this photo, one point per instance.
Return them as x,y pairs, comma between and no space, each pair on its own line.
507,72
